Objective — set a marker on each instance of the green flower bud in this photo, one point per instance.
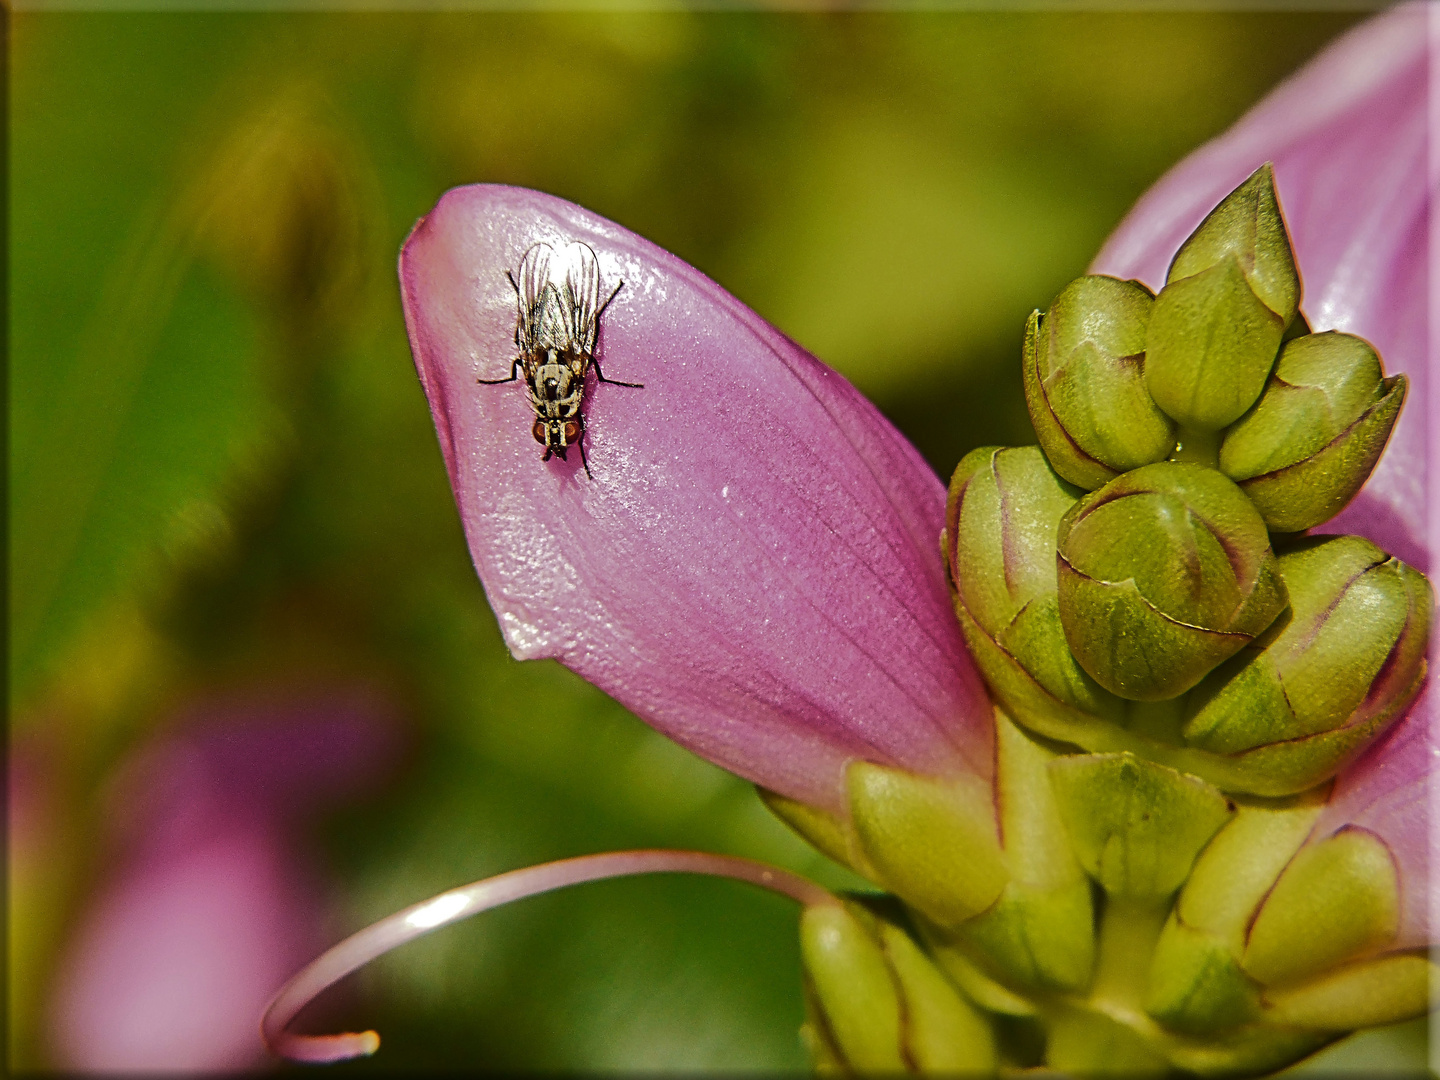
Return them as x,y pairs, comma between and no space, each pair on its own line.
1196,984
878,1003
1085,382
933,843
1216,326
1328,677
1163,573
1003,518
1337,900
858,1003
1306,447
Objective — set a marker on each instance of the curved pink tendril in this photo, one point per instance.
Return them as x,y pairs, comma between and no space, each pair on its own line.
456,904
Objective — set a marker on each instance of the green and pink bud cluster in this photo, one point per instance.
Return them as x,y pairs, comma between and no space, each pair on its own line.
1137,582
1139,598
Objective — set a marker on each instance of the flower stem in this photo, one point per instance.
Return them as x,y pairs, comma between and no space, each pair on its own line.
1128,932
456,904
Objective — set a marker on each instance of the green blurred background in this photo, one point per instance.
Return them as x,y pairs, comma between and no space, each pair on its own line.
223,471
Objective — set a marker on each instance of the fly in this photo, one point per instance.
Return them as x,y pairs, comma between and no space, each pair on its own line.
558,299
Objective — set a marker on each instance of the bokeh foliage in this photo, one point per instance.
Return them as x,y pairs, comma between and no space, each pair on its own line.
223,471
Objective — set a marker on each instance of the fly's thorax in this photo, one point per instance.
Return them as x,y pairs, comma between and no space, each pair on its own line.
557,384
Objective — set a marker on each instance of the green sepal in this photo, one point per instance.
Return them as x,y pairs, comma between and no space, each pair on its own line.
1039,939
1239,866
1085,1042
943,1032
1196,983
1385,990
957,957
1307,446
1164,572
1210,347
1350,654
933,843
1338,899
1136,826
1040,934
822,831
1084,382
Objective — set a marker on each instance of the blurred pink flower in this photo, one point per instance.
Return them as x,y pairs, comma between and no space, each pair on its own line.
1355,140
752,569
210,906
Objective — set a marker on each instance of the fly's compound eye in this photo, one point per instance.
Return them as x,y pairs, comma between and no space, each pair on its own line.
572,431
539,432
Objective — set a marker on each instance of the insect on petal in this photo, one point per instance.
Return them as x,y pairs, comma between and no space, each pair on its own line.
753,568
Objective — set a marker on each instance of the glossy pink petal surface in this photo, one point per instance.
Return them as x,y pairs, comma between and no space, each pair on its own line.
1349,136
753,568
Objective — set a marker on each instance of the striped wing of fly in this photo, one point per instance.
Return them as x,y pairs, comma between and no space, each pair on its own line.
559,299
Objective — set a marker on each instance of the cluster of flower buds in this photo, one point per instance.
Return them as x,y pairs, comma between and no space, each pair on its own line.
1136,583
1179,675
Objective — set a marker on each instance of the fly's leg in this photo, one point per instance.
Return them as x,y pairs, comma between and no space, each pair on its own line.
606,303
580,444
514,374
600,375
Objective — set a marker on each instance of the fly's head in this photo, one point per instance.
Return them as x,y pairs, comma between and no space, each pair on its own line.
557,434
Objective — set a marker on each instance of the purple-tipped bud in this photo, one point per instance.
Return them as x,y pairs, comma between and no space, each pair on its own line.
1084,367
1305,448
1164,572
1340,666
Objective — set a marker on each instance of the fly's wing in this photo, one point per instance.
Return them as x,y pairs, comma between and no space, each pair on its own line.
535,296
576,274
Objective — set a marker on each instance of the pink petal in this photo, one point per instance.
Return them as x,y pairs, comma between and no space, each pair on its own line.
753,568
174,962
211,907
1349,137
